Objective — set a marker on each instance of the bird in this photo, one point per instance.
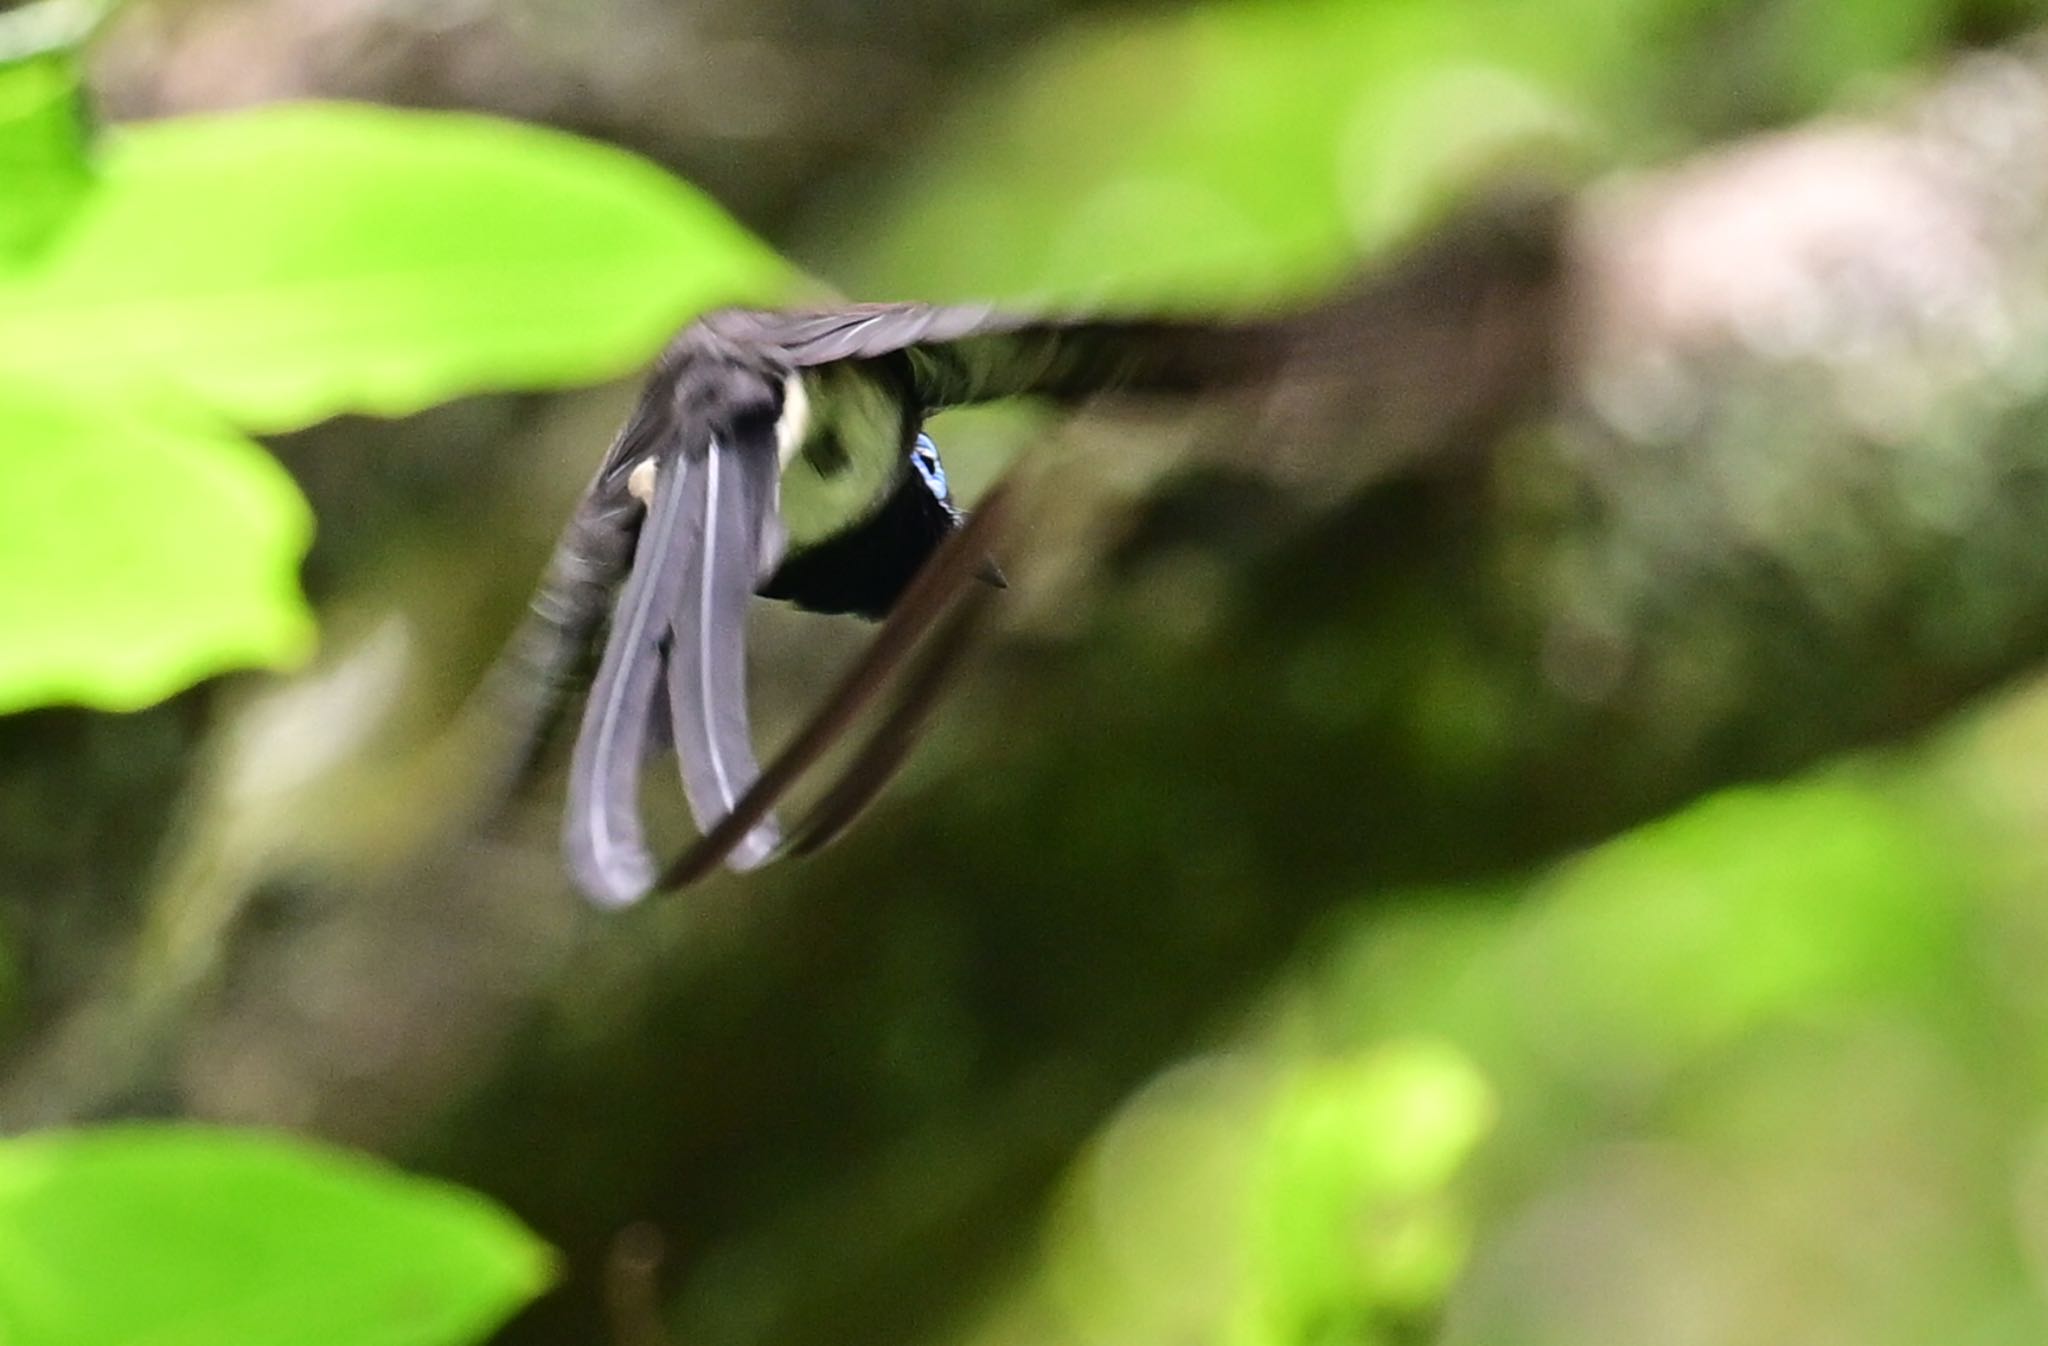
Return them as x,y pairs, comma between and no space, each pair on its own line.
783,454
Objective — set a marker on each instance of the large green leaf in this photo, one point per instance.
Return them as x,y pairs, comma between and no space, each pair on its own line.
182,1236
42,152
296,261
138,553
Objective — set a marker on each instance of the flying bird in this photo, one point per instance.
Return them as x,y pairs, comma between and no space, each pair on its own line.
783,455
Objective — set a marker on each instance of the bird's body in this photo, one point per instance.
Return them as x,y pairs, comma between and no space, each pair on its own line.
853,520
843,437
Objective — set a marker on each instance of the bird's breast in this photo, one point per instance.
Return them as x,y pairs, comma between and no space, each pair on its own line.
842,446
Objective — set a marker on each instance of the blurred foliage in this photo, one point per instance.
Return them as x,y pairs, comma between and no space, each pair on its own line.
138,553
1271,143
283,265
42,151
1270,147
1770,1070
1246,1200
267,270
1738,1070
181,1236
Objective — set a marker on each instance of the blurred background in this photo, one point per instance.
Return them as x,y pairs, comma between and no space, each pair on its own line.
1595,892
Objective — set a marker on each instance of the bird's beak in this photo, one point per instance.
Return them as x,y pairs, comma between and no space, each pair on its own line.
992,574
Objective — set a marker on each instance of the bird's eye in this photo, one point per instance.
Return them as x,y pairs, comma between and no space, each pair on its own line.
924,456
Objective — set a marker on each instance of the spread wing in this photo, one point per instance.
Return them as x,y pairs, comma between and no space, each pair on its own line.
732,509
961,354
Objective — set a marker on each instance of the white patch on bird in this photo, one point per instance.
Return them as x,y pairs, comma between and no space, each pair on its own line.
849,457
793,426
640,482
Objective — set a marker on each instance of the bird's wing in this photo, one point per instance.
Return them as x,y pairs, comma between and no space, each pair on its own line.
602,834
1068,359
960,354
730,515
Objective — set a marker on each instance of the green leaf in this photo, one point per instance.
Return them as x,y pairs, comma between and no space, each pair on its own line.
138,553
185,1236
42,153
296,261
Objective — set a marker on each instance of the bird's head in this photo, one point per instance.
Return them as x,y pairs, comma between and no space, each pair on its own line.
924,461
931,473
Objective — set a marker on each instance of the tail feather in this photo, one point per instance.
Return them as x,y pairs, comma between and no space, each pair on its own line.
731,525
602,833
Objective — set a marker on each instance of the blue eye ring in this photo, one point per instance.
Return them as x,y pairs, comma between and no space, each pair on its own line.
924,456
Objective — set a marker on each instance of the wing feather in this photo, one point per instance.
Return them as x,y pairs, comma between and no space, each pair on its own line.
733,511
602,832
961,354
930,596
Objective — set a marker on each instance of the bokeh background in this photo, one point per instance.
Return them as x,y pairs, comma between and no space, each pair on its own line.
1276,943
